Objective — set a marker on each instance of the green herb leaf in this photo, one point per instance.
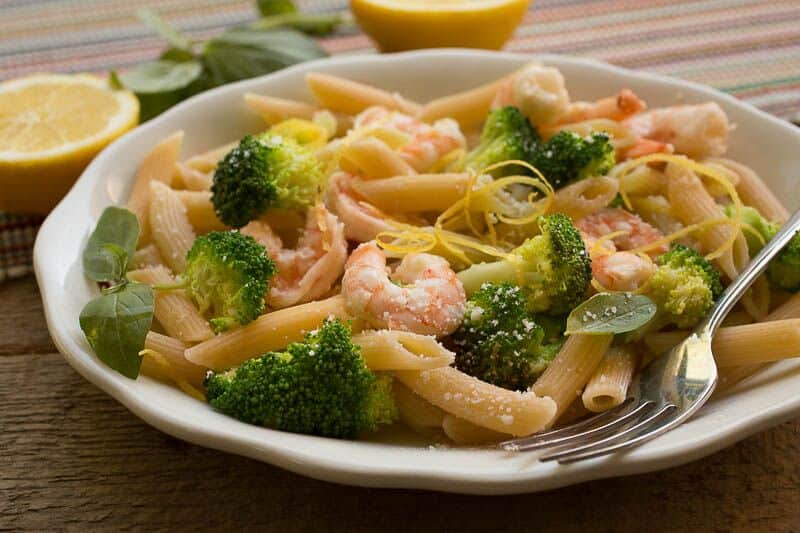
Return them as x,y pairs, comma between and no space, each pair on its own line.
617,312
274,7
161,84
177,55
111,245
243,53
116,325
175,38
313,24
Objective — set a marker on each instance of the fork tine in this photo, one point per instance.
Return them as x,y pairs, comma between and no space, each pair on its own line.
616,422
514,444
610,443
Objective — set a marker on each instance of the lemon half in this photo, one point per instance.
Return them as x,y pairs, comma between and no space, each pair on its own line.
409,24
51,126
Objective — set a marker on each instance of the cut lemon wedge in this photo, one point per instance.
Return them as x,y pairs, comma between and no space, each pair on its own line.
409,24
51,126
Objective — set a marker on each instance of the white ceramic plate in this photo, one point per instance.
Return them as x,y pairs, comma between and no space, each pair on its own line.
394,458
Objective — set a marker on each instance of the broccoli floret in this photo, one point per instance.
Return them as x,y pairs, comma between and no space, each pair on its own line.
568,157
684,287
264,172
554,267
783,271
499,341
320,386
227,275
507,135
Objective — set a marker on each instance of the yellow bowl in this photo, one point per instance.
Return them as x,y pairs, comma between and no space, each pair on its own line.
397,25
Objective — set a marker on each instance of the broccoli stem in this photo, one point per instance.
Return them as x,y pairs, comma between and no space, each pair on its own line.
496,272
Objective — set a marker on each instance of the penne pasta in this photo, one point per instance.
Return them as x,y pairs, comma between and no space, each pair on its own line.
174,310
608,386
172,232
509,412
415,193
274,110
466,433
468,108
207,161
644,181
158,165
788,309
146,257
373,159
692,204
402,350
416,413
200,211
762,342
743,345
164,360
753,191
585,197
352,97
193,179
270,332
570,371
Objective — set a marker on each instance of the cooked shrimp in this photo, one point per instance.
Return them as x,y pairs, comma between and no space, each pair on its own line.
610,220
427,143
695,130
618,107
538,91
622,271
644,146
362,221
423,295
309,270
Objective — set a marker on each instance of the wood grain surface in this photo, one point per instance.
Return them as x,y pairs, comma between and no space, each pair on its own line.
72,458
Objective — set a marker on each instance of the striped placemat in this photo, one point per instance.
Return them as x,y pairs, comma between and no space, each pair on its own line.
749,48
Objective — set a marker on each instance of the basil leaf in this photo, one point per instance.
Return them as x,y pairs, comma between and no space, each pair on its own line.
178,55
274,7
243,53
313,24
175,38
617,312
161,84
116,325
111,245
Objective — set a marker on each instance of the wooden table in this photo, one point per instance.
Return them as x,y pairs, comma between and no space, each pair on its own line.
72,457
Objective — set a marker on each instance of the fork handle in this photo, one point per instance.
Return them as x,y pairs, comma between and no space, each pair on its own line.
751,272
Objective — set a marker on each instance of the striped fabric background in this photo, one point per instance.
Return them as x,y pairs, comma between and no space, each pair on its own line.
749,48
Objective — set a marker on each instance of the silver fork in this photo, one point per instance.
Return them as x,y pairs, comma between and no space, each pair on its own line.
670,389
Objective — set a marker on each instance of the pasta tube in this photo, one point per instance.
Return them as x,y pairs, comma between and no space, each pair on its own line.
374,159
572,368
468,108
505,411
352,97
200,211
608,386
416,413
468,434
173,309
402,350
742,345
164,360
172,232
753,191
193,179
413,194
207,161
146,257
158,165
274,110
270,332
